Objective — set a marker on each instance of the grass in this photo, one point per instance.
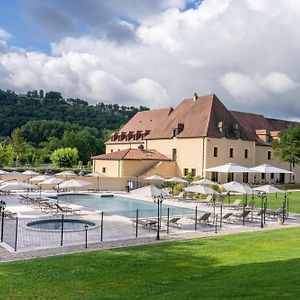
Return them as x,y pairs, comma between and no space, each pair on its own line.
261,265
273,202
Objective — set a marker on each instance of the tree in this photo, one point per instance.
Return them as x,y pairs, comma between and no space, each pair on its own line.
287,147
19,145
53,95
6,154
86,141
65,157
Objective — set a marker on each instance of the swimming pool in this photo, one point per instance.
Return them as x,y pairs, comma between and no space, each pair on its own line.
123,206
56,224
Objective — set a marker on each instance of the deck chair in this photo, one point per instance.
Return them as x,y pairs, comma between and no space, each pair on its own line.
208,200
147,223
274,213
47,206
66,209
242,215
235,205
202,219
227,216
175,221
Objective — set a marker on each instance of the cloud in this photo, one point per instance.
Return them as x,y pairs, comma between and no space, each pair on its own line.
245,51
240,85
100,18
278,83
4,34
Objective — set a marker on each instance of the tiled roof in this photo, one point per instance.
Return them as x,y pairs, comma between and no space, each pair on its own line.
200,118
133,154
252,122
147,120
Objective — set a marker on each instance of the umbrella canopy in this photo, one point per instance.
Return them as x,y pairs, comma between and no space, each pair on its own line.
235,186
16,185
66,173
30,172
2,172
155,177
51,180
200,189
176,180
74,183
13,173
268,189
95,174
230,168
270,169
39,178
148,191
204,181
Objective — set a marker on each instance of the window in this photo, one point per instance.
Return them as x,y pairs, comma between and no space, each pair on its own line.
118,149
214,176
193,172
245,177
103,170
230,177
246,153
272,176
185,171
111,150
263,176
231,152
174,154
215,152
269,154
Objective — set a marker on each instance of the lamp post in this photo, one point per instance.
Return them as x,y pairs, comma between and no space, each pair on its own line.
158,200
2,207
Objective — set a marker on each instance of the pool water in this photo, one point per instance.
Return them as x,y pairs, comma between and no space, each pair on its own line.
123,206
56,224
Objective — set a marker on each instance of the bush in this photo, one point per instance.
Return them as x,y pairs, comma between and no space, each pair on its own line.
65,157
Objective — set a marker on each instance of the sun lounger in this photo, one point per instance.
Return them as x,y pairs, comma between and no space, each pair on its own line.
207,201
242,215
235,205
147,223
9,214
227,216
202,219
175,221
66,209
274,213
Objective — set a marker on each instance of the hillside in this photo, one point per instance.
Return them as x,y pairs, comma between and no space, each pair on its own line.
34,125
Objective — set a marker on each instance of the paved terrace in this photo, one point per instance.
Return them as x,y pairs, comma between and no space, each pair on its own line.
118,232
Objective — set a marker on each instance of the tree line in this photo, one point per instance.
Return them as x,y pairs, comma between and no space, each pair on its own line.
35,125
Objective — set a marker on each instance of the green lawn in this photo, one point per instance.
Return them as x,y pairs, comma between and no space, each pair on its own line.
273,202
263,265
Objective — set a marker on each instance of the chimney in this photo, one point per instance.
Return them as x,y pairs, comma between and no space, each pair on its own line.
195,96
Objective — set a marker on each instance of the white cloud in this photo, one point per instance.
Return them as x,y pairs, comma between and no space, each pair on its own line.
246,51
4,34
240,85
278,83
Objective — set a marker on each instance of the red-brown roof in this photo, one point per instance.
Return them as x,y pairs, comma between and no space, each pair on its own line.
147,120
252,122
133,154
200,118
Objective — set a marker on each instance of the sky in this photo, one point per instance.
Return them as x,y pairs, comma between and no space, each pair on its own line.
156,52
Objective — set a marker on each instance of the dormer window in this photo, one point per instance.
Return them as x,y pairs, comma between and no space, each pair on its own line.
222,129
177,130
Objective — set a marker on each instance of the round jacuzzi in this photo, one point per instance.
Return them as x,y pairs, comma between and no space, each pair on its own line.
56,224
